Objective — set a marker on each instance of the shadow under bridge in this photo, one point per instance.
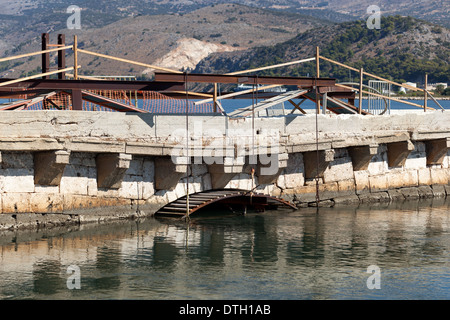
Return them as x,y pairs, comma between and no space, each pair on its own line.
231,199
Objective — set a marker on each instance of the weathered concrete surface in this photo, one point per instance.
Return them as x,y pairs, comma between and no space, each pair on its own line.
55,163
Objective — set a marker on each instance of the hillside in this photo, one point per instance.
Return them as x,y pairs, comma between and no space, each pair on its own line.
22,20
403,49
436,11
160,39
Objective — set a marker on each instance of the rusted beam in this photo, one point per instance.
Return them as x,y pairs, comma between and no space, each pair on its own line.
56,84
61,56
45,56
220,78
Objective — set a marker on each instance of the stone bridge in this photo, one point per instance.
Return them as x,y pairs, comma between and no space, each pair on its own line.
54,163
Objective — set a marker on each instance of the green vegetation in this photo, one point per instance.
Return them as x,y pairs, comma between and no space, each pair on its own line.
389,61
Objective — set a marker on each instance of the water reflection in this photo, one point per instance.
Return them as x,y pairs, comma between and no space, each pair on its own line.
275,255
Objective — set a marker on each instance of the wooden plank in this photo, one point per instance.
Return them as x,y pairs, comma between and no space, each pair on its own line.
272,66
109,103
297,106
14,104
34,53
35,76
234,94
372,75
431,96
129,61
267,103
343,105
223,78
386,97
167,213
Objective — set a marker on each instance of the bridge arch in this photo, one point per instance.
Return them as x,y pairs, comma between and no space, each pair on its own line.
227,197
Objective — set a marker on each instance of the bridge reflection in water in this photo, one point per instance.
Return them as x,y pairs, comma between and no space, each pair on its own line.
274,255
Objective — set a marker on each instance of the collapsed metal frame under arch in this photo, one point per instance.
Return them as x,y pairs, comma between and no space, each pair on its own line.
200,200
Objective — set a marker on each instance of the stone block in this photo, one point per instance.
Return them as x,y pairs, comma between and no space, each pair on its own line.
346,200
29,220
338,169
326,191
7,221
74,180
148,189
425,192
81,202
416,161
438,190
17,160
402,178
199,169
181,189
94,145
92,188
46,203
396,194
378,165
362,181
46,189
29,144
144,148
424,176
136,166
241,181
206,180
439,176
447,190
378,183
130,188
410,193
346,187
374,197
222,174
195,186
16,202
16,180
293,175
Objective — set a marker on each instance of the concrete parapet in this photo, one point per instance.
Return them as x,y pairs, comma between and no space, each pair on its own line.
49,167
94,145
111,169
29,144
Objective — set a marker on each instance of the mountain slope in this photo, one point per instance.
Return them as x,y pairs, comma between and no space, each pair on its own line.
158,38
403,49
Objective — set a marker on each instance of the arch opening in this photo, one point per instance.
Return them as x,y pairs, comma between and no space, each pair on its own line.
231,200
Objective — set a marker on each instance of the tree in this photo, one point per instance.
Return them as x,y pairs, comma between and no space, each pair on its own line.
439,89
